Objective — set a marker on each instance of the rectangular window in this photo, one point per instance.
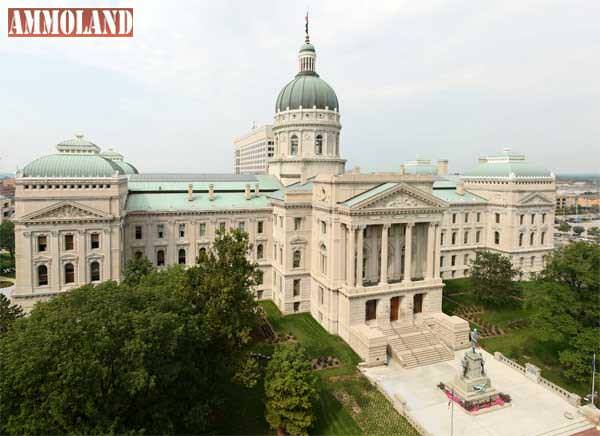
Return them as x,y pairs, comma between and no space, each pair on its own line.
139,232
296,306
202,229
42,243
182,230
242,226
521,219
95,241
297,223
478,236
497,218
543,218
441,261
296,287
532,218
323,227
321,295
442,238
466,217
453,260
453,218
222,226
371,310
478,216
453,238
281,222
466,260
259,227
542,238
160,231
466,238
68,242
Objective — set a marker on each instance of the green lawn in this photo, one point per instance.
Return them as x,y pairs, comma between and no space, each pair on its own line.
520,344
348,403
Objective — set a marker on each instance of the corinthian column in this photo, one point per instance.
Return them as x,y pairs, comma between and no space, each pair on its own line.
408,253
385,229
430,250
350,273
438,250
359,256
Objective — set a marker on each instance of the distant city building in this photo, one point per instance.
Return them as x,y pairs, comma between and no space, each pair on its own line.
7,208
253,151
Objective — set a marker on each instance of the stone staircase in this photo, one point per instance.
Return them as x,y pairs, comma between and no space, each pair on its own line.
416,345
578,425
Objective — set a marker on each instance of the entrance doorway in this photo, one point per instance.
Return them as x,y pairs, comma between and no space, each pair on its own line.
394,308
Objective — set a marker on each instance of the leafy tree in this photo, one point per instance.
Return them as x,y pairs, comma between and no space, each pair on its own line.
290,388
567,306
8,314
136,269
564,227
492,280
220,287
7,237
578,230
154,357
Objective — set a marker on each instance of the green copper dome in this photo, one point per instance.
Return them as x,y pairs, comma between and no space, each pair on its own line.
307,46
308,91
72,165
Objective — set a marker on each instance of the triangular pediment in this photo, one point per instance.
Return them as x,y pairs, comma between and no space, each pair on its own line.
535,198
401,196
66,211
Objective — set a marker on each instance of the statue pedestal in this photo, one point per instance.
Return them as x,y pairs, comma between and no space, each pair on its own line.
472,388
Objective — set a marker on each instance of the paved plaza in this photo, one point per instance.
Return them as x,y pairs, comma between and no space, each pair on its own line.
534,410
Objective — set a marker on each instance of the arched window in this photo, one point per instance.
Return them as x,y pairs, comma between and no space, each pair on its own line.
520,239
42,271
531,237
319,144
296,258
259,251
160,258
323,259
294,145
69,273
497,238
94,271
181,256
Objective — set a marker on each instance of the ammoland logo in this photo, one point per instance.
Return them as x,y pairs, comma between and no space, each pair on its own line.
70,22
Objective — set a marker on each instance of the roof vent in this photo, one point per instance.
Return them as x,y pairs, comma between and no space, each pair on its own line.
190,192
211,192
247,191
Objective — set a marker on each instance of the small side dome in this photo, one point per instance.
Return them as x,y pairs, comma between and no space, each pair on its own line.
507,164
118,159
72,165
76,157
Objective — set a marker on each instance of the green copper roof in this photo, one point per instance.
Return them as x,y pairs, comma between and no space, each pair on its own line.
307,46
368,194
149,182
72,165
450,195
126,167
79,142
307,90
157,202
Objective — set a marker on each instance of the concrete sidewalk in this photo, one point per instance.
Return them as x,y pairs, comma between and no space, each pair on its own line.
535,411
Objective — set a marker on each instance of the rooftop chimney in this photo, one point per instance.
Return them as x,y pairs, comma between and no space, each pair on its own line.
442,167
247,191
190,195
211,192
402,169
256,190
460,188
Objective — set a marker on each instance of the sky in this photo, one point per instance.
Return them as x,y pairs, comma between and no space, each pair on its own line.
430,79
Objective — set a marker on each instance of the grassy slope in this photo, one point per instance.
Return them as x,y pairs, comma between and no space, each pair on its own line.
362,409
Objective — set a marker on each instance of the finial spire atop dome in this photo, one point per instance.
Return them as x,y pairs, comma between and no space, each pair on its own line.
307,55
307,38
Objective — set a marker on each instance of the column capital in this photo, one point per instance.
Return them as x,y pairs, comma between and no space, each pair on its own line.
411,224
387,225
